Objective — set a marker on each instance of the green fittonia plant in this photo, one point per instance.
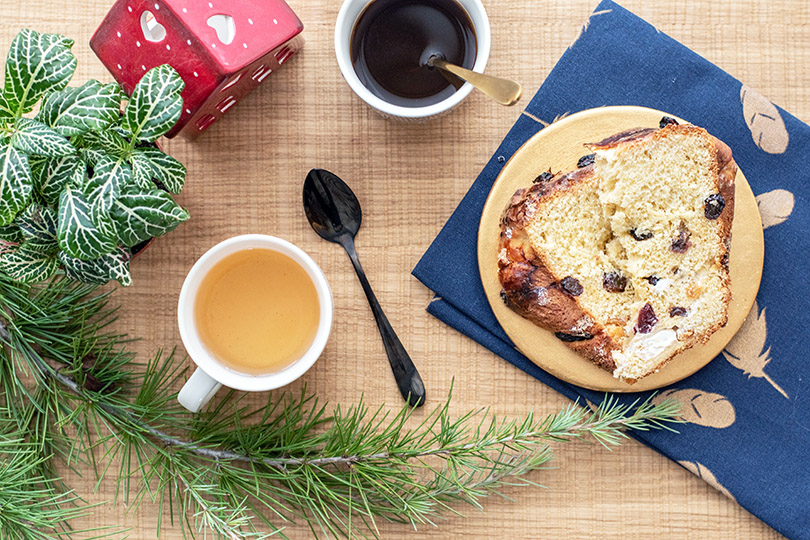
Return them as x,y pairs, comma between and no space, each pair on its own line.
82,181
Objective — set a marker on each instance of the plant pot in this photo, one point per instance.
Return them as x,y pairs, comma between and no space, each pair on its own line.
139,248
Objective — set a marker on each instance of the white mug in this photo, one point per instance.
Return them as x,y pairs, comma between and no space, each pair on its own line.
351,10
211,374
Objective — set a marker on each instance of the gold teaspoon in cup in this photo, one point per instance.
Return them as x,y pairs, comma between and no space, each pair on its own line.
502,91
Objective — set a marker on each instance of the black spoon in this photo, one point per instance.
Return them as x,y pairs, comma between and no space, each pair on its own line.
334,212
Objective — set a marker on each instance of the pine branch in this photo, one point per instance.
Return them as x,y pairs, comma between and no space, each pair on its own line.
233,471
473,462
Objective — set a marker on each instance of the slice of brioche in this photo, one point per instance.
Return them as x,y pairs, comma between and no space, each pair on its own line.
626,259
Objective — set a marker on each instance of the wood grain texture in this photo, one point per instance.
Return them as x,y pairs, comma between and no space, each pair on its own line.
245,175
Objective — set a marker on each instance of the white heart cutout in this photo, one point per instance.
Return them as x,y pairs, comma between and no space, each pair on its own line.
225,27
152,30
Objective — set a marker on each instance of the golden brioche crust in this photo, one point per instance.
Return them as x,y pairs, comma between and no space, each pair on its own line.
530,288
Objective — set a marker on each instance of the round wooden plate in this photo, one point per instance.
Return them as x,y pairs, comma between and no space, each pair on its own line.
559,146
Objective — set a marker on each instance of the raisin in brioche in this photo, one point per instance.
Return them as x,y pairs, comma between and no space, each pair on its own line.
626,258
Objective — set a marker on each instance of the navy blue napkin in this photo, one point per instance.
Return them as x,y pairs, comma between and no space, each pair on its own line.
748,411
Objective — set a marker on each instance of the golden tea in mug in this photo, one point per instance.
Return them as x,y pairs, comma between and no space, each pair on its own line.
257,311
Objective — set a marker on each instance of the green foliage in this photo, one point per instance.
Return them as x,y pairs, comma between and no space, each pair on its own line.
32,507
99,271
150,164
74,393
92,107
15,183
81,233
54,175
155,104
36,64
83,163
32,137
38,226
140,215
28,265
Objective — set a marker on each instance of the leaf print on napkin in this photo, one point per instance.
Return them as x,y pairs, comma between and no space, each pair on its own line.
587,24
701,408
705,474
746,350
775,207
763,119
546,124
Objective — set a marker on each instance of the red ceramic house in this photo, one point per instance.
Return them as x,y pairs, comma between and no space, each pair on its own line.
223,49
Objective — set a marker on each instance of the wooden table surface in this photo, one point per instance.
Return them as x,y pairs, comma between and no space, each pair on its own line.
245,176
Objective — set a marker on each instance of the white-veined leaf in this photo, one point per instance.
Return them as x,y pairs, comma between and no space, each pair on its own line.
91,107
79,236
11,233
34,137
108,141
139,216
121,130
38,226
15,183
103,221
36,164
155,104
142,172
55,174
28,265
110,176
99,271
36,63
91,155
162,168
6,113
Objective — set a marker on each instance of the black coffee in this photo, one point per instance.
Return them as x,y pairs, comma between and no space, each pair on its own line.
393,40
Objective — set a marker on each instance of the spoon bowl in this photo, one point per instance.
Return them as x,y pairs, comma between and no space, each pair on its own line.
331,206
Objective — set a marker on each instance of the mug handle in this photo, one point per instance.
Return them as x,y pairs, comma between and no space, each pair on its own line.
198,391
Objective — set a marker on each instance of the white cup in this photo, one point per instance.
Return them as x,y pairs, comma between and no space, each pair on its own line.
347,17
211,374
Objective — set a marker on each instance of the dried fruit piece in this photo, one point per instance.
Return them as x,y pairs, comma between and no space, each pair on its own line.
571,285
713,206
570,338
584,161
646,319
667,120
681,243
652,280
640,234
677,311
614,282
544,176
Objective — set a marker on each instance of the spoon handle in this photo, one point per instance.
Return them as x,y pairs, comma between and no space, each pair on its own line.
407,377
502,91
